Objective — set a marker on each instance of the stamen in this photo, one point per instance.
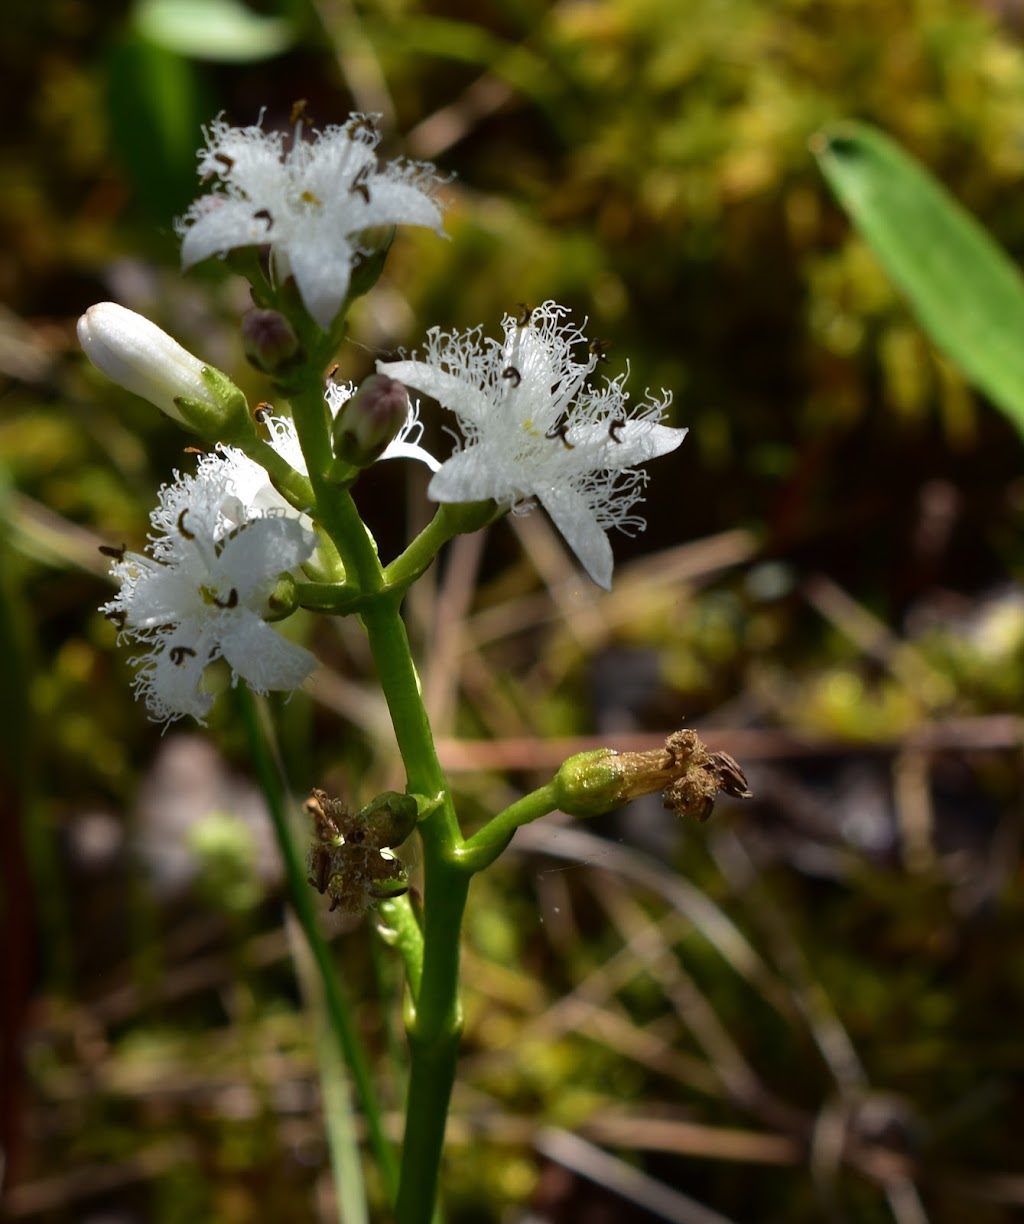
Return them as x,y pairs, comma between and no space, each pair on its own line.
513,375
264,214
117,616
261,412
320,865
227,162
359,184
298,111
525,315
115,551
361,123
560,430
599,349
614,429
193,450
178,654
230,602
189,535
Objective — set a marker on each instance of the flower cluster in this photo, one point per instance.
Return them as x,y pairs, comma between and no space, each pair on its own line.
535,428
312,205
224,541
221,541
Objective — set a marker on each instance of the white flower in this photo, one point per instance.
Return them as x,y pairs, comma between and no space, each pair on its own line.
534,428
310,204
202,593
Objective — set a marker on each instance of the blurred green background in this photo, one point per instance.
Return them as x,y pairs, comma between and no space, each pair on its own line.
809,1009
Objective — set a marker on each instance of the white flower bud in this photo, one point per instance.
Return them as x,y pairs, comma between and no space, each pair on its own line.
139,356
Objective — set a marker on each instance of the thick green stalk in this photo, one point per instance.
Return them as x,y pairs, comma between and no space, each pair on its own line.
435,1023
435,1019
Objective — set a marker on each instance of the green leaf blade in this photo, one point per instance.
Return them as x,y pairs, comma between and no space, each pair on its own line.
965,291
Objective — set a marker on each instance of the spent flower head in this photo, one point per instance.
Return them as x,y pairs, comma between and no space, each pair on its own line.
216,556
312,202
534,427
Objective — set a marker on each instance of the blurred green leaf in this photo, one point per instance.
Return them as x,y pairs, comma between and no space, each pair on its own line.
155,113
213,30
963,288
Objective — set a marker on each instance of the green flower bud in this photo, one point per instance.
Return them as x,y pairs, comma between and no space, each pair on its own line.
372,418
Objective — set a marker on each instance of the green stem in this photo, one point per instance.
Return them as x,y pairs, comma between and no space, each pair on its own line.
333,597
435,1024
451,519
480,850
434,1021
339,1007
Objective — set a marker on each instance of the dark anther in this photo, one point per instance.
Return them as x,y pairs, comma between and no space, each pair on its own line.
261,412
119,617
320,864
227,162
599,348
359,184
298,111
361,123
524,316
193,450
230,602
180,653
189,535
560,430
513,375
264,214
332,371
614,429
112,550
731,779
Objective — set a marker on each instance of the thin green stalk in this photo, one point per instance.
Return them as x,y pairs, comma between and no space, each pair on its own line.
335,1090
403,933
451,519
333,597
339,1007
480,850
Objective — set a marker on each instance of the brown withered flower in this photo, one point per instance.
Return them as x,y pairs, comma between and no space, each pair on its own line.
351,859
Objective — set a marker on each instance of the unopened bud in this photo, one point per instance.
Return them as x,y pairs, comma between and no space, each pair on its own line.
142,358
269,341
689,775
372,418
